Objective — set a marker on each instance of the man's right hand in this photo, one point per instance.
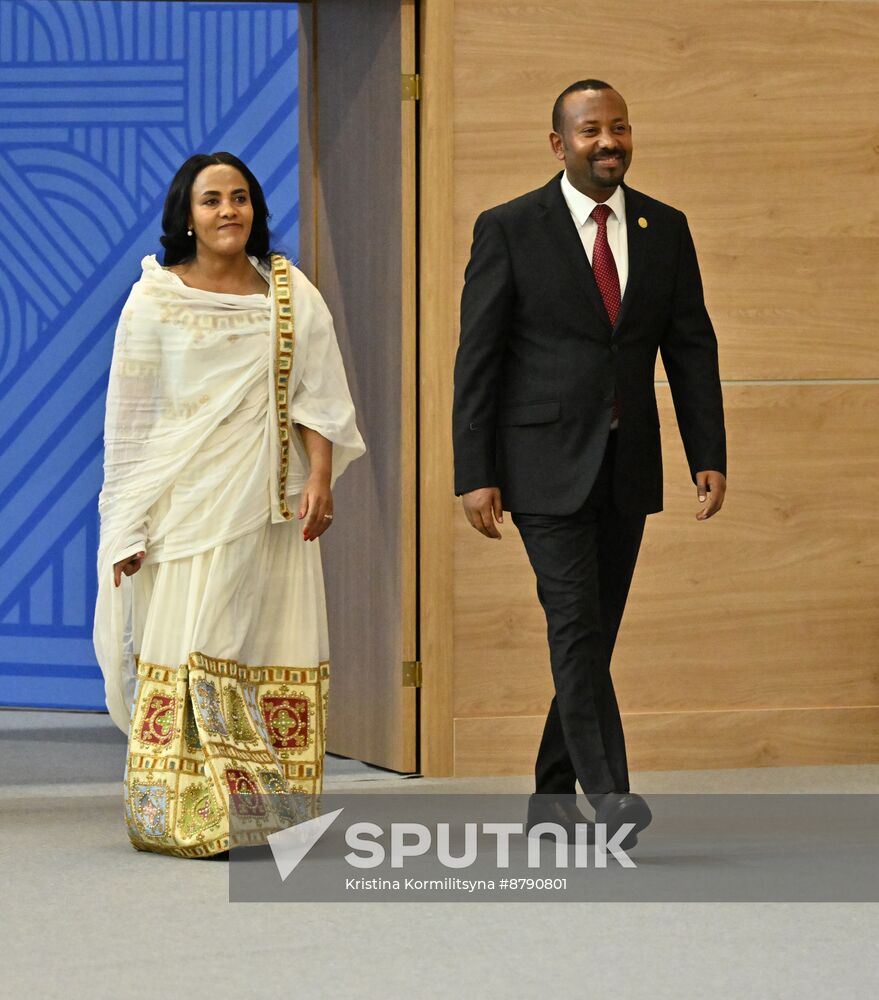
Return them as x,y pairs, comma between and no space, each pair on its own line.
483,507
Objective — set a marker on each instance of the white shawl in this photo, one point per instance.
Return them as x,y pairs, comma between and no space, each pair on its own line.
194,434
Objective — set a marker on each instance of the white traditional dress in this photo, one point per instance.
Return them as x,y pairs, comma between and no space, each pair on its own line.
215,655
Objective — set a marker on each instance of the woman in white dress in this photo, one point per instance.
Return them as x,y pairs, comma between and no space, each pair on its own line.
228,421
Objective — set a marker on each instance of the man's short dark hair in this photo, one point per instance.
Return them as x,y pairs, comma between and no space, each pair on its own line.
558,109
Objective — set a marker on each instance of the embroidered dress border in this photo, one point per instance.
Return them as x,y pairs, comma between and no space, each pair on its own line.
232,668
210,765
285,334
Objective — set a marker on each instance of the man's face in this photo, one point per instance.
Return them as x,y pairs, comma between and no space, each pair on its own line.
595,142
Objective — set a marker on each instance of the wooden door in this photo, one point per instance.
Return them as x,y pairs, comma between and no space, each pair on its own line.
357,136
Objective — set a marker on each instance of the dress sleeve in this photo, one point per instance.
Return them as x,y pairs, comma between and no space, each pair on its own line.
131,407
131,412
321,398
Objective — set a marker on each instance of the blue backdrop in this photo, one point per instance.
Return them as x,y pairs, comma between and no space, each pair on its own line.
100,103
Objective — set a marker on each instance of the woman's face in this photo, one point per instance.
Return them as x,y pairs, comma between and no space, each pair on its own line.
221,213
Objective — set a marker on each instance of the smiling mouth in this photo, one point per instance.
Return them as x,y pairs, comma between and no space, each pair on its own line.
229,225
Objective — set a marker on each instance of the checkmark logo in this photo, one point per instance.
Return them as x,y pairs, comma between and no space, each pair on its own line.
290,846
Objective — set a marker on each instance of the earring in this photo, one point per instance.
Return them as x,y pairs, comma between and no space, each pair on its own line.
189,232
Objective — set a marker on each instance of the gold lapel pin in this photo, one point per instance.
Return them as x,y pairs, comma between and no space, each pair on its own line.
642,222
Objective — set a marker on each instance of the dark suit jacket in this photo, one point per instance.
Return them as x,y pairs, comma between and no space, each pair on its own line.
539,363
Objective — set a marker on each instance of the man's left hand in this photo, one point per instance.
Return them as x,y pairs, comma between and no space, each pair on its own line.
710,487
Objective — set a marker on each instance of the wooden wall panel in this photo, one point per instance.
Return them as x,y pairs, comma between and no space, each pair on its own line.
437,336
755,118
752,638
770,604
688,741
774,604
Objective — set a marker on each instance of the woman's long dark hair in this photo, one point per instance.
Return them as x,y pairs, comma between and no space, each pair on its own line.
179,247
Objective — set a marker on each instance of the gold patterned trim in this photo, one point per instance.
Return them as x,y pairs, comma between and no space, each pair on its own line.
262,674
284,332
243,672
149,762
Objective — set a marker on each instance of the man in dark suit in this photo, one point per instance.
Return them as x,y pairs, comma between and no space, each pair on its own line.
569,293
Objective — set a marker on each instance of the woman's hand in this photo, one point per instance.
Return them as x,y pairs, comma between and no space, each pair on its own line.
316,506
127,566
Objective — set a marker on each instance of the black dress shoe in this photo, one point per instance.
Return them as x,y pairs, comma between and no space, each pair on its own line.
560,809
617,808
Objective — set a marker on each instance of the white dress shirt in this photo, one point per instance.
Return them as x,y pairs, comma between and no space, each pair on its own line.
581,206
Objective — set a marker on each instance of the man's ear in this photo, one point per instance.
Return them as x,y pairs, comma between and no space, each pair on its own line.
558,145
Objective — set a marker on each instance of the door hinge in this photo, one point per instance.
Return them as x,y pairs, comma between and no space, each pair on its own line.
412,673
411,87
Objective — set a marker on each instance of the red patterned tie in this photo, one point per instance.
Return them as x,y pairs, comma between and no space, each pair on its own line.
604,266
606,277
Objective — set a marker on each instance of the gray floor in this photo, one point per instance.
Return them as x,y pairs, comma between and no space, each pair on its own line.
86,915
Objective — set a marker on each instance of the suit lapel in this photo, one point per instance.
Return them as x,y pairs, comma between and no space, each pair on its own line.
564,235
637,236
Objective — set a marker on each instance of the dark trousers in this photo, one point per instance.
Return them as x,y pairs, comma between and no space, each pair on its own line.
584,564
